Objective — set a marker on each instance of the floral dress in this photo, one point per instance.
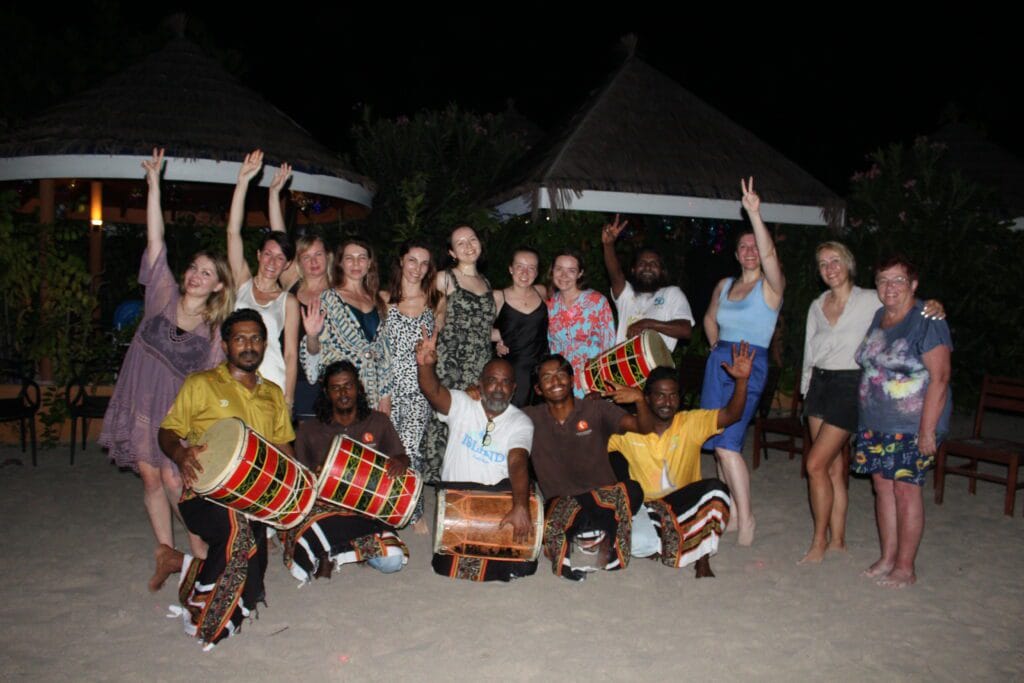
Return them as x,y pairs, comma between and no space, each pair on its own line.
463,348
580,331
410,411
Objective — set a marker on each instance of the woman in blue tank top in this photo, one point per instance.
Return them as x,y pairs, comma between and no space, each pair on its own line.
742,309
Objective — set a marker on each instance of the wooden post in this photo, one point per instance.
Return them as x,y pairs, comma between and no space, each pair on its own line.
47,215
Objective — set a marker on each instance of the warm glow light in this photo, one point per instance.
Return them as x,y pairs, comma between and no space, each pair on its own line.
96,208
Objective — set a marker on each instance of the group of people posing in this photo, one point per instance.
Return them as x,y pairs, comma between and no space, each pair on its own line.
475,387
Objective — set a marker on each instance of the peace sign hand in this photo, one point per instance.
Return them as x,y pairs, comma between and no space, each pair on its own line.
751,202
610,232
426,349
154,166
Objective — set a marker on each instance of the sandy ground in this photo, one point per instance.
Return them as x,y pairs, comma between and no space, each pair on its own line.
74,604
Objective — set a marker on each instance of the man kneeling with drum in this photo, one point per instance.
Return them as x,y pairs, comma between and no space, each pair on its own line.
486,456
690,513
588,522
219,591
332,536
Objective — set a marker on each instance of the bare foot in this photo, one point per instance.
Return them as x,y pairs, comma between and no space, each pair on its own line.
897,579
814,556
703,568
420,527
878,569
168,561
746,536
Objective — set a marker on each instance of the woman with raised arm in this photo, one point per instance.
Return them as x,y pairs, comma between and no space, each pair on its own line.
742,309
580,322
309,276
343,324
412,301
178,335
263,292
521,328
464,342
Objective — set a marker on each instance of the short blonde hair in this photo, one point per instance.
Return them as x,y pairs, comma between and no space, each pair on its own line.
845,255
307,242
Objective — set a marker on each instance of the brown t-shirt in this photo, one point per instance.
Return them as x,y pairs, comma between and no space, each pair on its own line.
376,431
572,458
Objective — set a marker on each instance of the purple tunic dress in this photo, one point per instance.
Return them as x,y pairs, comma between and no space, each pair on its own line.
159,358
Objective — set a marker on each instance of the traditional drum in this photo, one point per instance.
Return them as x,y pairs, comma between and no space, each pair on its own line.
355,477
467,524
245,472
628,364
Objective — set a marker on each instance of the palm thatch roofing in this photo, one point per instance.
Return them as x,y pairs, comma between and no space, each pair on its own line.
180,99
644,144
983,161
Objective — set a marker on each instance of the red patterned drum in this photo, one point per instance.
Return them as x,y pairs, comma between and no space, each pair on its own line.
355,477
628,364
245,472
468,524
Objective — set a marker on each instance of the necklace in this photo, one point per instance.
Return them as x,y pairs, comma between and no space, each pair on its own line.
274,288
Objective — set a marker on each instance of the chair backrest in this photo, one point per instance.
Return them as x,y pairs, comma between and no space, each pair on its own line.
83,382
1005,394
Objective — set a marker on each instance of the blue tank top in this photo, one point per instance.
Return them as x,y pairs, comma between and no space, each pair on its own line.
750,319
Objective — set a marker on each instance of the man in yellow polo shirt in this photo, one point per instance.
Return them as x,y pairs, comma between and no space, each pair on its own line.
217,592
689,513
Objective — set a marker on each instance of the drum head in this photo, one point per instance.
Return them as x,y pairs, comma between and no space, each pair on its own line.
223,445
655,350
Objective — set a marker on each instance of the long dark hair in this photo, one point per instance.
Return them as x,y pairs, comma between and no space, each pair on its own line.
322,405
427,285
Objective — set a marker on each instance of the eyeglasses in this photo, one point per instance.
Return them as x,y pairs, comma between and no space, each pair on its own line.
899,282
487,433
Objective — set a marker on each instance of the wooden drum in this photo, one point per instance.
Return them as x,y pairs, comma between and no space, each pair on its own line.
354,476
245,472
628,364
467,524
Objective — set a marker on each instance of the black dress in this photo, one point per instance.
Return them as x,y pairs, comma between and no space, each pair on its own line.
526,336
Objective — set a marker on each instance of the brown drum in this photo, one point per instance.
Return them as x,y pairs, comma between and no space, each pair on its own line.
629,363
355,477
467,524
245,472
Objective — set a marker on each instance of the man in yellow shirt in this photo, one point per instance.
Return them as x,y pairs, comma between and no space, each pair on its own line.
690,513
218,591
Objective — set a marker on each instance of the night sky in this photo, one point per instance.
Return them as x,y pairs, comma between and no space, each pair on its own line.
822,94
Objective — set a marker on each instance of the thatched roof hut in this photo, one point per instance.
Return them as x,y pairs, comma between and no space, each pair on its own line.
180,99
644,144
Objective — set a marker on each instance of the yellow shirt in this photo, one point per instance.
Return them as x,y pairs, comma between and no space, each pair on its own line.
213,395
665,463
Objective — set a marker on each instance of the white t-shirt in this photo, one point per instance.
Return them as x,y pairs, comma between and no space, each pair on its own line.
465,457
668,303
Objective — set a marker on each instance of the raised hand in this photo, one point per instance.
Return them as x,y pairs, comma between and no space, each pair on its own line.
426,349
751,202
284,172
313,318
154,166
251,165
610,232
742,361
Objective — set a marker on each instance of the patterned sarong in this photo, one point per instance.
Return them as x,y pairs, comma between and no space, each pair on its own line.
691,520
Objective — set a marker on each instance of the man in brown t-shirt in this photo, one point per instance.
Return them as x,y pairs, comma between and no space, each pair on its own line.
330,536
589,509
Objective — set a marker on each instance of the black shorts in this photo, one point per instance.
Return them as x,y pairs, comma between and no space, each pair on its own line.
832,397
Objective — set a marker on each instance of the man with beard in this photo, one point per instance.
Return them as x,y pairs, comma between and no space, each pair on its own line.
690,513
648,302
330,536
488,448
588,525
218,591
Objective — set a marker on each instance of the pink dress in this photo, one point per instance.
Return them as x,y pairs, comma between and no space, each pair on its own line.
159,358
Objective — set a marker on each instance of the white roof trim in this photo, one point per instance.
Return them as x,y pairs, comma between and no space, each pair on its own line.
176,169
665,205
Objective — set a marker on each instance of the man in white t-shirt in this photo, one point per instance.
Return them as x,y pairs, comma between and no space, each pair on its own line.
489,443
648,302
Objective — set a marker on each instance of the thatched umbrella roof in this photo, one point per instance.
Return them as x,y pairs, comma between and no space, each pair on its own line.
180,99
644,144
985,162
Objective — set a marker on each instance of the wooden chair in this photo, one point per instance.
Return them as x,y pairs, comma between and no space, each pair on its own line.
997,393
691,381
22,407
791,433
82,402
